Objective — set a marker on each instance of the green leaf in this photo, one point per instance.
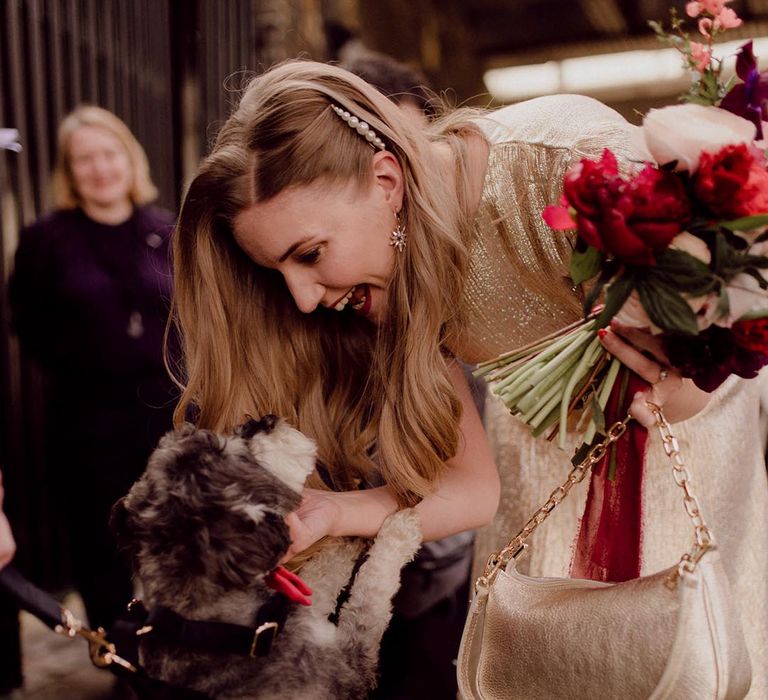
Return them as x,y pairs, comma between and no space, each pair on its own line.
597,414
747,223
755,261
618,292
666,308
586,264
723,304
681,270
722,255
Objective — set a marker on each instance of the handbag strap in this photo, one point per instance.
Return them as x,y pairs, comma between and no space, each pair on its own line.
703,540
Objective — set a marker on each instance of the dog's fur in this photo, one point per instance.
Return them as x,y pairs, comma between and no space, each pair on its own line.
205,524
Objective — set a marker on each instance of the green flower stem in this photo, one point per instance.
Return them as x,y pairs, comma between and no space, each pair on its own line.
542,408
602,397
552,418
590,354
502,372
564,354
531,350
511,386
535,396
523,381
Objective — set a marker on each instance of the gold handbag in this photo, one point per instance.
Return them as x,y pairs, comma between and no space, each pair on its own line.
674,634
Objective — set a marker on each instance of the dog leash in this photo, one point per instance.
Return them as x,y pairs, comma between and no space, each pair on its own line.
102,651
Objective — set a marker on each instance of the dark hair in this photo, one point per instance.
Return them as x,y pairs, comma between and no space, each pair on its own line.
394,79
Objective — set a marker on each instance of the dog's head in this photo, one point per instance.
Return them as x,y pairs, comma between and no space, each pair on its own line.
207,514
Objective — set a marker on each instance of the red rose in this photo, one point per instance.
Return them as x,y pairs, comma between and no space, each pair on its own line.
629,219
732,183
752,335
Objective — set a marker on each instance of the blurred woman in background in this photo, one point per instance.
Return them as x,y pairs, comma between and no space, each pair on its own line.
90,296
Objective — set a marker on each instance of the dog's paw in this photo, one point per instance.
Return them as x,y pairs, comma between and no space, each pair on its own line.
402,531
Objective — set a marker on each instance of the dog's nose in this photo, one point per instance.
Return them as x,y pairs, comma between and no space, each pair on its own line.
265,424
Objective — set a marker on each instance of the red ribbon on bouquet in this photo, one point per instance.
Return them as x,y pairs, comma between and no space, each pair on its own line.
609,541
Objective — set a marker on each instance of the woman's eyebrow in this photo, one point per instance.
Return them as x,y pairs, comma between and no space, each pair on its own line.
290,250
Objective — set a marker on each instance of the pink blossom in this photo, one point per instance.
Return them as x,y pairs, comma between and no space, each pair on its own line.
727,19
714,7
693,9
705,26
701,55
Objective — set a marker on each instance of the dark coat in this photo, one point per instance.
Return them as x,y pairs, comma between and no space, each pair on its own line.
90,303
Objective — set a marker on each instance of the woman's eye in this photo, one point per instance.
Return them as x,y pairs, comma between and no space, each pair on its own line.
310,256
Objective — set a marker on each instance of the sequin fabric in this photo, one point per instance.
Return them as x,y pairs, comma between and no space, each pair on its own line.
518,291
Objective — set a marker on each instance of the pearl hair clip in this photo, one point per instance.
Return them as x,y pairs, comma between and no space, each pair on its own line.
360,127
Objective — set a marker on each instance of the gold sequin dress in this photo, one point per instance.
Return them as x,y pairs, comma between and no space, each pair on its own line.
518,290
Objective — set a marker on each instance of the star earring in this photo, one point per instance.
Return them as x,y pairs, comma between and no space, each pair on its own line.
398,237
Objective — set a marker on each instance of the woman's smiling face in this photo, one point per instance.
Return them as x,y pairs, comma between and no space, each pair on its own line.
331,242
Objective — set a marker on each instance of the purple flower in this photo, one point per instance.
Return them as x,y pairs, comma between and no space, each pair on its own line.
748,98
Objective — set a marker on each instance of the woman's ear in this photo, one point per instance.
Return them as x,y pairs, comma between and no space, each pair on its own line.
389,177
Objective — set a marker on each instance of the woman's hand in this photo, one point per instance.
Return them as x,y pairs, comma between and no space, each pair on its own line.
680,398
314,519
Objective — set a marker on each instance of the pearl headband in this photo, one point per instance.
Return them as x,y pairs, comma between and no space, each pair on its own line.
360,127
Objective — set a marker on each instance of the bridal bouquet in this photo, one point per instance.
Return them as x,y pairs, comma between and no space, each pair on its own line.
678,247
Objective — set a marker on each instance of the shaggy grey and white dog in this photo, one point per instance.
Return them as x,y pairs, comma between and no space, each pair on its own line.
205,525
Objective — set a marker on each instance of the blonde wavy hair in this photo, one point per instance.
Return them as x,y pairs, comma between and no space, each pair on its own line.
65,194
372,398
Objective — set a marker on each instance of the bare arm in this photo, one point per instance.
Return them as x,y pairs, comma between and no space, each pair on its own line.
466,496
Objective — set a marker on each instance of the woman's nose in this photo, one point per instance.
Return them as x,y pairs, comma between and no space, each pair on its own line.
306,293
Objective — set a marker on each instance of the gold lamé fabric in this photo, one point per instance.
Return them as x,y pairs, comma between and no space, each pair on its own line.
518,288
518,291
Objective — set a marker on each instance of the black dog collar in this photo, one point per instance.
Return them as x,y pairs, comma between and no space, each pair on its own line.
164,624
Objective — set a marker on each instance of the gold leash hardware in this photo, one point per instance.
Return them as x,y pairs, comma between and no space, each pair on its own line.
101,651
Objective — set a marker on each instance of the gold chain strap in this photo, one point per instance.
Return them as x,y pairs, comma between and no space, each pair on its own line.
702,536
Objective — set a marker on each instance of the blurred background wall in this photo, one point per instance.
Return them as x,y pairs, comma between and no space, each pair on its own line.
172,68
